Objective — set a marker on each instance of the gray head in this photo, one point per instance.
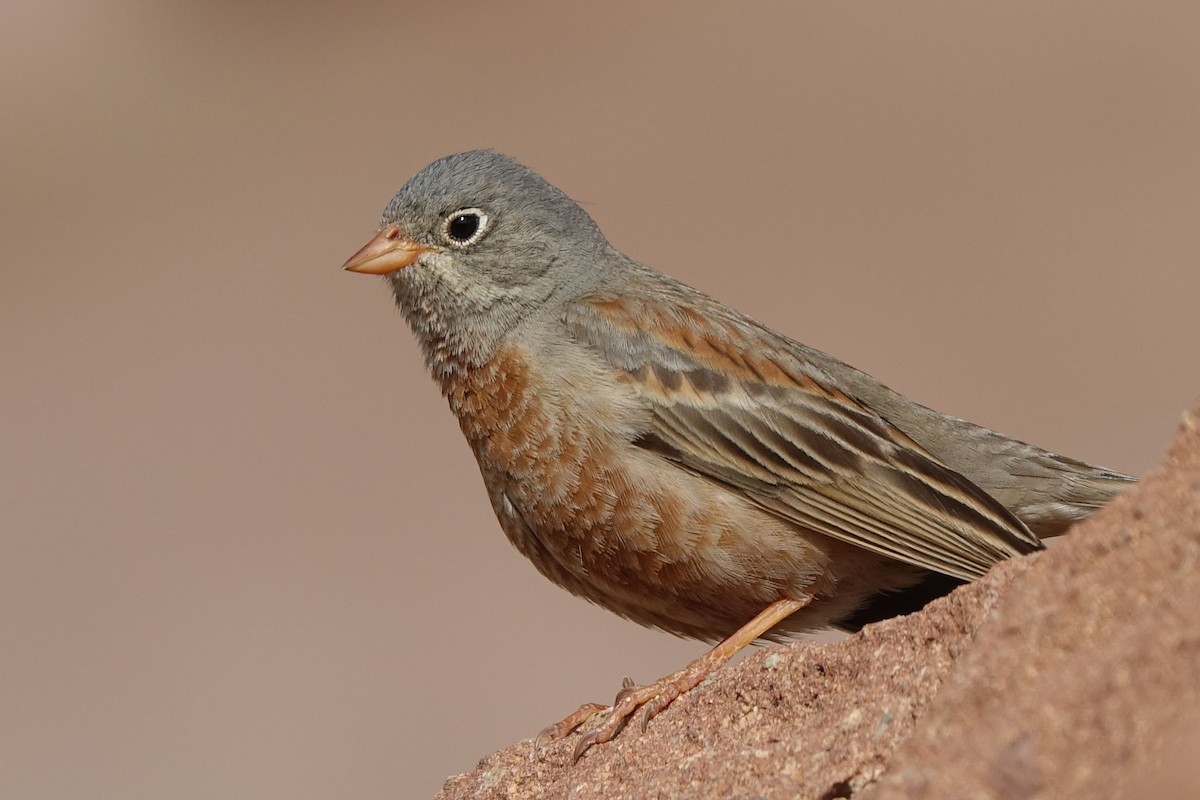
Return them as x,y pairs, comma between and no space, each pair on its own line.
474,243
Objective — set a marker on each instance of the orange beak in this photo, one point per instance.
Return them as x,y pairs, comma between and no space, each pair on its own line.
387,252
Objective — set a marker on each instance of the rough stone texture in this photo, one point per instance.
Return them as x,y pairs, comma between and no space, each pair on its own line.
1072,673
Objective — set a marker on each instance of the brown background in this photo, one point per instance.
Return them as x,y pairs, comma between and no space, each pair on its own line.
245,552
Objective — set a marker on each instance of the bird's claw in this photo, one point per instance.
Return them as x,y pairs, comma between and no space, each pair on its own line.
645,701
567,724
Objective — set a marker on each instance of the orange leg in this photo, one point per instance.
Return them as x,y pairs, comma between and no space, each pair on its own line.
655,697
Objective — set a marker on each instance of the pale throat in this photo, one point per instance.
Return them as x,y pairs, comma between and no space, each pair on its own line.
458,323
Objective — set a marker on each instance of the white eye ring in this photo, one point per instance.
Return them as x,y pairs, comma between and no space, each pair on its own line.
465,226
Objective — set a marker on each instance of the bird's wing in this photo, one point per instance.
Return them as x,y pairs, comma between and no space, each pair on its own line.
732,401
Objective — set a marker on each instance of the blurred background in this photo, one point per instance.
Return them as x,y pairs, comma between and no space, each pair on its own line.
245,551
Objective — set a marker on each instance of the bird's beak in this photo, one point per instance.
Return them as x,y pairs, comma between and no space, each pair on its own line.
387,252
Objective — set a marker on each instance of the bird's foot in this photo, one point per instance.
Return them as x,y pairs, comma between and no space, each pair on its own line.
649,700
646,702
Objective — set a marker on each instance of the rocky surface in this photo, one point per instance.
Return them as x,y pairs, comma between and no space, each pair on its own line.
1071,673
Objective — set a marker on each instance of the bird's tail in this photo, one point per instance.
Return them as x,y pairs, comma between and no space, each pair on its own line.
1073,492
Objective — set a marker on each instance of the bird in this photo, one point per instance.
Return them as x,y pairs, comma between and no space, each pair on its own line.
658,453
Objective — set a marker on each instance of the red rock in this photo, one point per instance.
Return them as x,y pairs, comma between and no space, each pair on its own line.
1071,673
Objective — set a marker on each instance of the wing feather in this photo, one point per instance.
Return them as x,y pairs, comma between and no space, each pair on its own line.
741,405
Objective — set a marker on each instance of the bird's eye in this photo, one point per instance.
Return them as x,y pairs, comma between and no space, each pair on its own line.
465,226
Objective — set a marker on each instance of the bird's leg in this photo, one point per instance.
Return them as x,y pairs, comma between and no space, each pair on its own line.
655,697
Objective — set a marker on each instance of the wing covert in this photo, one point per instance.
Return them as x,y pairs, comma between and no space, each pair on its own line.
742,406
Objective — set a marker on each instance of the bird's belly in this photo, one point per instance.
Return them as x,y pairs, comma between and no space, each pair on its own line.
669,550
654,551
636,534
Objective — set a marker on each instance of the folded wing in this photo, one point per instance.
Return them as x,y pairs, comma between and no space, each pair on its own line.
743,406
